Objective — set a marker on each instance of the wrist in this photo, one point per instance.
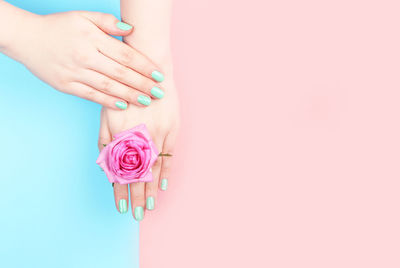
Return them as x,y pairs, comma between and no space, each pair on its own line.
16,26
151,35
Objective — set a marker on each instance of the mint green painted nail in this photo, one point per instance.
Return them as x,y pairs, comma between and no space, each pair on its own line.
159,77
122,105
150,203
144,100
123,206
138,213
164,184
157,92
123,26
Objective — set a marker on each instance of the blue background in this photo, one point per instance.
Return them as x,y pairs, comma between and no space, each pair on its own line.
56,205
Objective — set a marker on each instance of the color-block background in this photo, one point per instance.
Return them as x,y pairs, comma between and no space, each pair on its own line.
290,150
288,156
57,207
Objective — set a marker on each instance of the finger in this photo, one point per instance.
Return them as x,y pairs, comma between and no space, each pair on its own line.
168,148
130,57
127,76
108,23
121,197
137,200
105,136
89,93
114,88
152,187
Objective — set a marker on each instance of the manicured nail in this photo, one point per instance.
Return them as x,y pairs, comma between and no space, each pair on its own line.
123,207
157,92
150,203
144,100
164,184
159,77
122,105
123,26
138,213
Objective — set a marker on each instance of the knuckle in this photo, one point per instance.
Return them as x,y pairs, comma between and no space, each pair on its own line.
166,165
138,197
79,22
88,32
90,94
144,84
81,57
126,93
99,144
120,72
69,87
159,130
127,56
151,189
60,79
83,25
105,85
102,140
132,98
157,164
84,59
163,127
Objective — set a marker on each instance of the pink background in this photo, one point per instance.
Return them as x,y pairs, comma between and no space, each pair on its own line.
290,150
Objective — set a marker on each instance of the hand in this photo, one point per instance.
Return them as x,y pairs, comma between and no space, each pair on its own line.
162,121
74,53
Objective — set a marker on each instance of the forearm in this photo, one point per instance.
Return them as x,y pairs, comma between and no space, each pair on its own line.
12,20
151,34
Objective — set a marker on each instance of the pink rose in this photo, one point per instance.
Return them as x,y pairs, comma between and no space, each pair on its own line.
129,157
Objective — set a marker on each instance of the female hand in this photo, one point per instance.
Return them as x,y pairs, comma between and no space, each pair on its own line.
162,121
74,53
152,35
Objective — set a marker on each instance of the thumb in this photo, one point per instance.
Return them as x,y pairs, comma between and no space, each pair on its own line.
108,23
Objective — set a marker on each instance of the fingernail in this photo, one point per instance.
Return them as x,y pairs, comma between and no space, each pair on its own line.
150,203
123,207
138,213
123,26
164,184
157,92
159,77
121,105
144,100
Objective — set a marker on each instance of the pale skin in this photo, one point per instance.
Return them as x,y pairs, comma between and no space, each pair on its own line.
74,53
151,20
